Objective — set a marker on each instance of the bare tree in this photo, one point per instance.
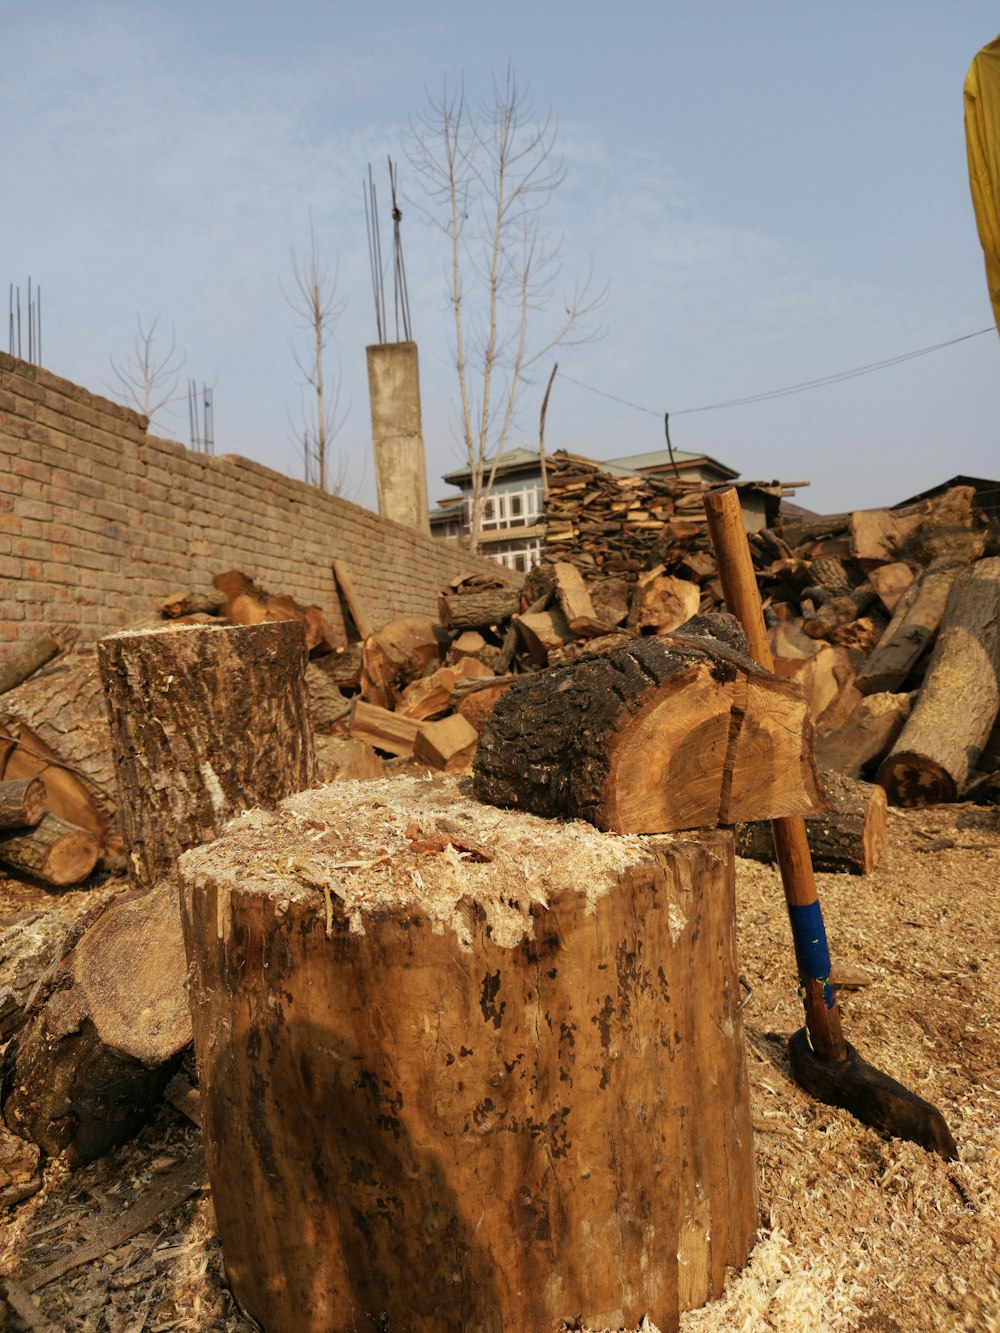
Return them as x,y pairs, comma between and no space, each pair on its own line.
317,308
489,173
147,379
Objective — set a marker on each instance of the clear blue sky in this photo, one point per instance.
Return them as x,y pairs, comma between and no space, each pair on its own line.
775,192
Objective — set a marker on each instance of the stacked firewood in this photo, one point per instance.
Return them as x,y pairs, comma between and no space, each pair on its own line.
608,524
876,614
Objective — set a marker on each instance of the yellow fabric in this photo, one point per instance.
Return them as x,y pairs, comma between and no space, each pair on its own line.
982,140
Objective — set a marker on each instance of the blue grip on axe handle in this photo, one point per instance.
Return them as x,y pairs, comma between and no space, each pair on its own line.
811,950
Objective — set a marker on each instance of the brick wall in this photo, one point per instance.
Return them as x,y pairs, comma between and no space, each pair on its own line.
100,521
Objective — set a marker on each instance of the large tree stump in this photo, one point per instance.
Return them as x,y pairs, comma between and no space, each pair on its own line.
672,732
957,706
464,1068
206,721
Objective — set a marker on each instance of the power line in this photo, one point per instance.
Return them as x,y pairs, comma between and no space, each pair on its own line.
789,389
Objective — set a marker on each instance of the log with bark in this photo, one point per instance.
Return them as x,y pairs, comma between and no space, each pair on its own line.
481,609
106,1033
23,663
847,838
913,625
206,721
398,653
62,720
958,703
672,732
491,1066
247,604
22,802
57,853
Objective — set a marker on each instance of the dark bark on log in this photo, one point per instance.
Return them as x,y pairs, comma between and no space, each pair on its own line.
57,853
847,839
22,803
206,722
486,1113
33,656
478,610
681,731
957,706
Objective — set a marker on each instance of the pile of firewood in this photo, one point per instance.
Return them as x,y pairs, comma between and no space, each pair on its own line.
876,614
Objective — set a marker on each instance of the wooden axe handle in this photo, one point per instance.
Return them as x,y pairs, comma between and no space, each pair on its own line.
739,586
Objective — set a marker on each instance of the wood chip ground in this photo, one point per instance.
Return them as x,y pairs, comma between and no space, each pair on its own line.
856,1232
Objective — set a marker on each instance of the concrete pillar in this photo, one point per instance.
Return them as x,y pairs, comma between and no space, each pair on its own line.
397,436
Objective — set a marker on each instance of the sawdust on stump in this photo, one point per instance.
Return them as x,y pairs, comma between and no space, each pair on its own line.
857,1232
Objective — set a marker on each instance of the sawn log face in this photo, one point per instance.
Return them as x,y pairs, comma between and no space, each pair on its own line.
669,732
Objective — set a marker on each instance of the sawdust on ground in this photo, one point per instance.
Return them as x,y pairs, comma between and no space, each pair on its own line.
857,1232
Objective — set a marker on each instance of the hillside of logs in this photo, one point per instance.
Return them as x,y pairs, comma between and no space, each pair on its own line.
889,620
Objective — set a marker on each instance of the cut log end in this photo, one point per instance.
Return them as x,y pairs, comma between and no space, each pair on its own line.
914,780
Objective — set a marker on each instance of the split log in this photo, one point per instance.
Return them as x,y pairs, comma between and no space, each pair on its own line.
501,1089
355,606
346,759
383,729
913,625
448,744
958,703
399,652
575,601
247,604
57,853
865,737
477,610
666,603
469,644
878,534
610,598
431,696
890,582
475,701
23,663
91,1065
847,838
672,732
206,721
543,631
22,802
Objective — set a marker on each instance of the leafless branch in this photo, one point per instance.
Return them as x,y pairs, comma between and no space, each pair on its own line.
146,380
488,175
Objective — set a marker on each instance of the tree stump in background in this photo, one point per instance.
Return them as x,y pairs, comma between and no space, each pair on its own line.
205,721
673,732
463,1068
